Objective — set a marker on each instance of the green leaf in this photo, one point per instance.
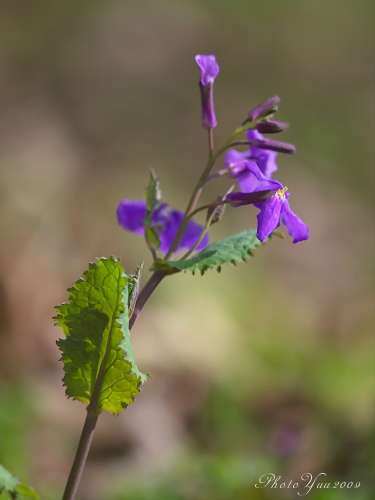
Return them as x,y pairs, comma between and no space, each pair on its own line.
153,193
98,358
8,482
27,492
153,201
234,249
152,237
12,485
134,285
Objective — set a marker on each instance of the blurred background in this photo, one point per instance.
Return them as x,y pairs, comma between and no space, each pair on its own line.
267,367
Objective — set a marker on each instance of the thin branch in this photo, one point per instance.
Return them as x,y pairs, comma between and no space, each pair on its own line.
81,456
145,294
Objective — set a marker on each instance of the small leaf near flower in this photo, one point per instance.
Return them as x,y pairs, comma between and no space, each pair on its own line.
134,285
236,248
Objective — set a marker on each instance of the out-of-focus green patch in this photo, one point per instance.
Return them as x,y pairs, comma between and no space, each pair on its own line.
201,477
16,421
12,485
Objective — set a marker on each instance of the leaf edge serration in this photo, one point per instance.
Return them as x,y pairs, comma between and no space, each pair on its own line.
119,327
205,260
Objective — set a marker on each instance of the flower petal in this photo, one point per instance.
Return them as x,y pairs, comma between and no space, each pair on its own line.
130,215
297,229
170,231
189,238
253,135
208,67
256,152
266,160
268,217
192,233
252,180
233,156
235,161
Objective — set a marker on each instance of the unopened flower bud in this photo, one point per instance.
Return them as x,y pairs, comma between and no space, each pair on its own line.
238,199
264,109
271,127
280,147
209,70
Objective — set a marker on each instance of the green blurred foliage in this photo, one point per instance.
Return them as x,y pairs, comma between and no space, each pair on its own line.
267,367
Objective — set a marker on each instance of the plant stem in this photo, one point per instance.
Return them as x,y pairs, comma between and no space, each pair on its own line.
81,456
210,143
145,294
92,415
200,238
209,205
212,157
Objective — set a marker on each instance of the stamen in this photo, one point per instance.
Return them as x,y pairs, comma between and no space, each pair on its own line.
281,193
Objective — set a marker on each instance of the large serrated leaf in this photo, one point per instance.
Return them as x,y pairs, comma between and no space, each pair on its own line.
234,249
97,353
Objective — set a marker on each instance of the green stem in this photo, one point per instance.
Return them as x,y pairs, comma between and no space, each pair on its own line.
209,205
199,187
210,143
219,173
201,236
206,227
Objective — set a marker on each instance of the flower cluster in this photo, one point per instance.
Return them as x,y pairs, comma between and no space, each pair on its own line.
252,169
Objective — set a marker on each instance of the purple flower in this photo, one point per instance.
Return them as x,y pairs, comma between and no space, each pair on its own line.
253,170
266,160
251,179
209,70
235,160
131,213
274,208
